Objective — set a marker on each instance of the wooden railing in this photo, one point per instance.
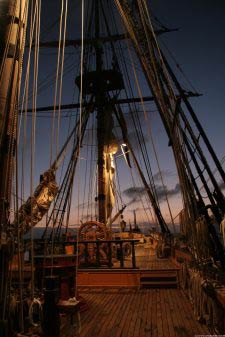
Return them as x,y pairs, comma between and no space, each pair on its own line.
116,246
94,254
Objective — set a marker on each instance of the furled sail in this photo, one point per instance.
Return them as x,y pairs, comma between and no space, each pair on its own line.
36,206
222,230
110,195
110,149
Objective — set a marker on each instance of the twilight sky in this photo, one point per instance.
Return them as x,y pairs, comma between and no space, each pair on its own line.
198,47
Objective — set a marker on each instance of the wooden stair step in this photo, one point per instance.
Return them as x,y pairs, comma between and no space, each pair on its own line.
158,273
159,284
159,279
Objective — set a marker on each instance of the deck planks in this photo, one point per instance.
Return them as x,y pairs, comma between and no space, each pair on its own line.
147,325
124,317
121,312
146,261
135,316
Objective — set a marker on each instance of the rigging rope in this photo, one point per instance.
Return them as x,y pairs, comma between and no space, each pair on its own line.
61,76
85,182
93,167
160,91
56,82
128,83
33,18
178,65
33,131
80,126
22,43
152,140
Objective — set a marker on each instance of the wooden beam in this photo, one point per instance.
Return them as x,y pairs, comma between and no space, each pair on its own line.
118,101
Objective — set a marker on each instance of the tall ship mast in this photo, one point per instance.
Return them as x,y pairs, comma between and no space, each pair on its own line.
13,17
77,168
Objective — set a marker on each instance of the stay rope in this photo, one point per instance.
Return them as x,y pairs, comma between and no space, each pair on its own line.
33,131
61,75
56,82
21,36
151,138
80,129
58,97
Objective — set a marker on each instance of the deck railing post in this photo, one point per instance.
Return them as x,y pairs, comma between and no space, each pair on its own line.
86,252
133,255
110,255
75,249
97,254
121,255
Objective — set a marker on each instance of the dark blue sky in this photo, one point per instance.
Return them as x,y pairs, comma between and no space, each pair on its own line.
199,47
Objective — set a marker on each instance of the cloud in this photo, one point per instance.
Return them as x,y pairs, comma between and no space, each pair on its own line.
157,176
170,192
135,193
131,191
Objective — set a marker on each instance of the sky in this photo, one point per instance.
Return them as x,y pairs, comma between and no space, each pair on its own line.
199,49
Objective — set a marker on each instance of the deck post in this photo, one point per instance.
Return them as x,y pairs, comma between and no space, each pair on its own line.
86,253
121,255
133,255
110,255
97,254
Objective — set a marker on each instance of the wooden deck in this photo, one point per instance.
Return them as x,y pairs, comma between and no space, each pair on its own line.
152,263
144,260
122,312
